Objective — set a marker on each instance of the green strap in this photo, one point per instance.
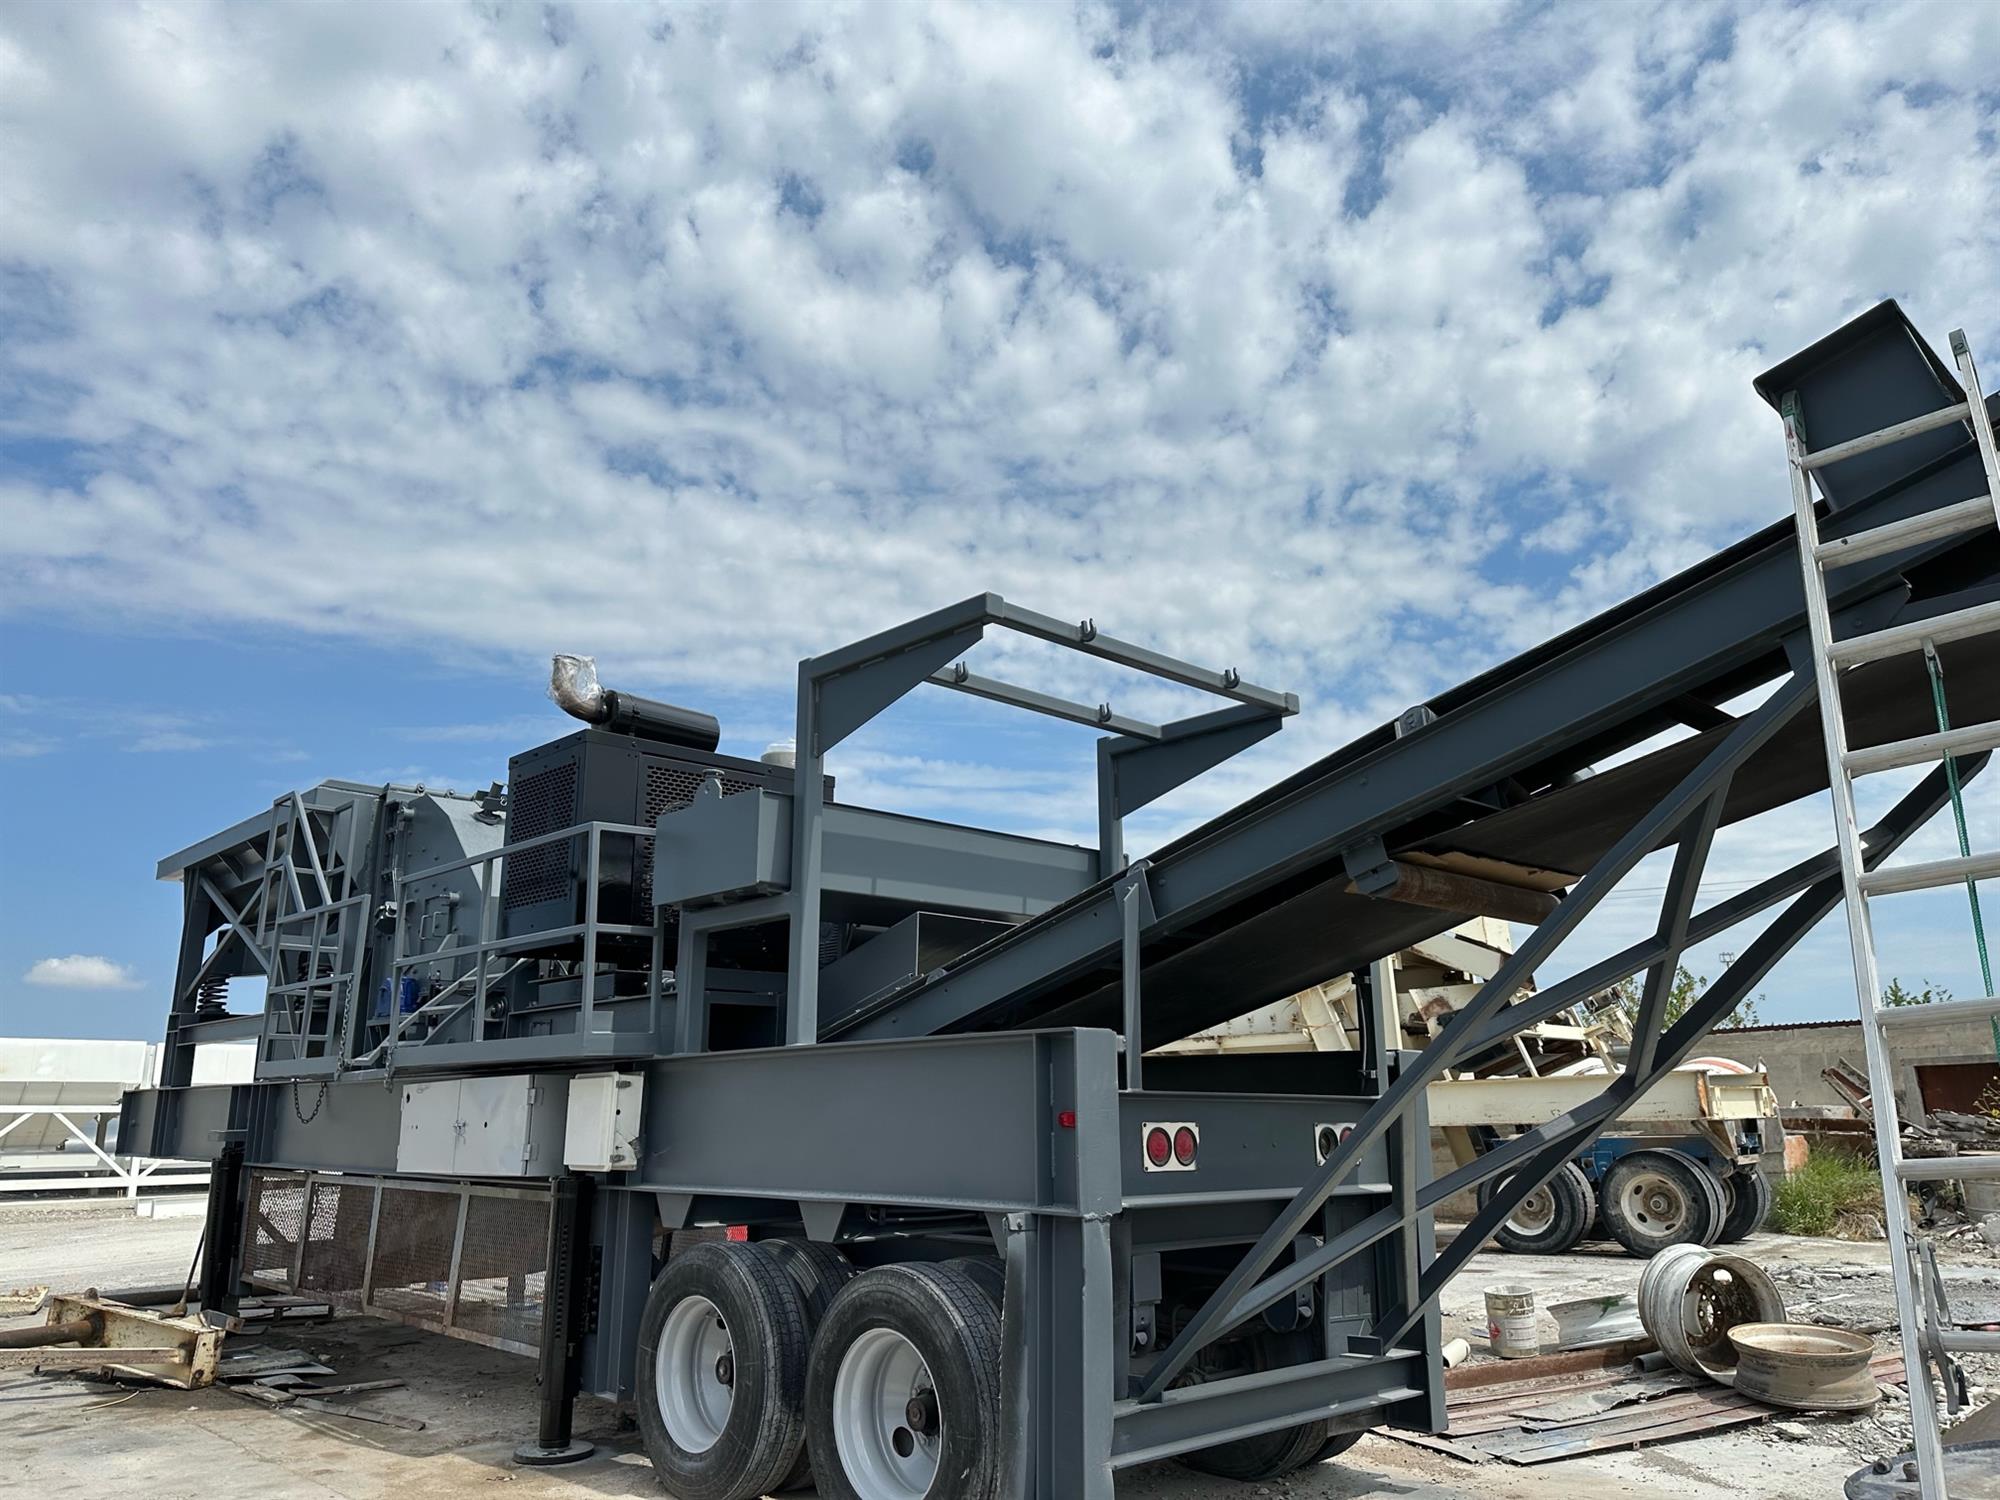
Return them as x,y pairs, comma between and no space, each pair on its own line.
1936,671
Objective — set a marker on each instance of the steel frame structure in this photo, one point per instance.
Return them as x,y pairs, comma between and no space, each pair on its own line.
997,1099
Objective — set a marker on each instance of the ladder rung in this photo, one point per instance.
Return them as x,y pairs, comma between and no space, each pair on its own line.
1928,422
1954,1010
1956,626
1894,536
1976,1168
1967,740
1968,1341
1924,877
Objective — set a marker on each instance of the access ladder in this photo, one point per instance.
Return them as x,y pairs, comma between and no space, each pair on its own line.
1927,1339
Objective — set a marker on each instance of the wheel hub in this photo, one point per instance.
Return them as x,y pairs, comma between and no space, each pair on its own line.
887,1421
1536,1212
694,1374
1656,1205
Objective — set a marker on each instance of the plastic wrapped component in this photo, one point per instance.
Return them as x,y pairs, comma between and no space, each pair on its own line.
574,687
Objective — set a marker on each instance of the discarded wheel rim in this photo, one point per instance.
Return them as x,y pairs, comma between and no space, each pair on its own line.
1689,1299
1804,1368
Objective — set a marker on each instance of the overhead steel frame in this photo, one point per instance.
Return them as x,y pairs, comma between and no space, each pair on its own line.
1140,762
1687,818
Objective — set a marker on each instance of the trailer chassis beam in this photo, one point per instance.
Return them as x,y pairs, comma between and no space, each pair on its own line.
1685,814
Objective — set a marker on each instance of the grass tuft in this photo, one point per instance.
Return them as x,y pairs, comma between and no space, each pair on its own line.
1834,1194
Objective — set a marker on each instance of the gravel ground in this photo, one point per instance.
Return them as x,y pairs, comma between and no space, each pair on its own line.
62,1437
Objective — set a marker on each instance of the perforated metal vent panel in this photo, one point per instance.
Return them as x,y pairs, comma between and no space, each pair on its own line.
670,786
540,804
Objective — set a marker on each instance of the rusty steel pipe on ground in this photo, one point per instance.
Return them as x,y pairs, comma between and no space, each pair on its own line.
69,1331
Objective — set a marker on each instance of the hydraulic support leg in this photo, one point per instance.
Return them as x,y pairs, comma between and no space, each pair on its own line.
565,1315
222,1234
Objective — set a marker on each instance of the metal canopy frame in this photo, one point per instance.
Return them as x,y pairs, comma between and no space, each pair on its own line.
843,690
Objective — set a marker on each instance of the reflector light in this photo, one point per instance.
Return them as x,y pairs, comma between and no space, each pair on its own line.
1184,1144
1067,1119
1159,1148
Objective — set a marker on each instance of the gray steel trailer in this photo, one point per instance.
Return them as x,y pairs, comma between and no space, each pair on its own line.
826,1135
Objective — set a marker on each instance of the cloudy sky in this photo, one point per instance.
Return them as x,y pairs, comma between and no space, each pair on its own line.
354,358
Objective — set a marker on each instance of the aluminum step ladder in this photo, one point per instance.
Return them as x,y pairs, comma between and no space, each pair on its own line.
1926,1337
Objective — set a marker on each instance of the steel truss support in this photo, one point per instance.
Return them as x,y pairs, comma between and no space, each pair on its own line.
1687,816
843,690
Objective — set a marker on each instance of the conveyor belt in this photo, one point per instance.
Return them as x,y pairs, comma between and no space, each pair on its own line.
1253,905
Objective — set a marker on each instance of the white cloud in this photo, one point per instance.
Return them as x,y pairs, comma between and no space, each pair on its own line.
81,971
638,331
1356,348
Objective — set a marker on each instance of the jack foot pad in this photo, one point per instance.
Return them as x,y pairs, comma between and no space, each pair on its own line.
536,1456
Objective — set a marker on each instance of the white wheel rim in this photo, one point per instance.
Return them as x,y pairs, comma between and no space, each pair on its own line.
689,1370
1536,1212
884,1457
1654,1202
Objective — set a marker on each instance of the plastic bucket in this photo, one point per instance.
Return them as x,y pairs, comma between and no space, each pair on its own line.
1510,1322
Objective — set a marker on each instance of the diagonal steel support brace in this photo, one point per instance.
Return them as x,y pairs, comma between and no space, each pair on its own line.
1650,832
1547,1146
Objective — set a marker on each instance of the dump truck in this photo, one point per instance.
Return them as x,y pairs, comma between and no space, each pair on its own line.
830,1137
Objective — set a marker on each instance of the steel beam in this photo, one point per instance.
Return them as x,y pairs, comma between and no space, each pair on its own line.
1742,741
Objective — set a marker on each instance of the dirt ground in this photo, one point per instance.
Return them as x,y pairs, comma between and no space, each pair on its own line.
66,1437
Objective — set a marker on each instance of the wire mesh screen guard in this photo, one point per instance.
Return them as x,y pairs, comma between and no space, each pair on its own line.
461,1258
277,1203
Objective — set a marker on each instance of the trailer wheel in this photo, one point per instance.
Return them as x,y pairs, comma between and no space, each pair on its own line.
1653,1199
987,1272
1747,1193
903,1396
1552,1218
1338,1444
820,1272
721,1373
1271,1454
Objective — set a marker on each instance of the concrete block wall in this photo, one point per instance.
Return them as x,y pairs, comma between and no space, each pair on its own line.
1796,1055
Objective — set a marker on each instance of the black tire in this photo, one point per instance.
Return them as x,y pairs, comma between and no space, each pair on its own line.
1552,1218
948,1319
820,1272
1338,1444
1271,1454
987,1271
1746,1194
764,1321
1653,1199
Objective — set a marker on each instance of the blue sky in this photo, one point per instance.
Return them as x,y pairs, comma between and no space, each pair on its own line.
352,360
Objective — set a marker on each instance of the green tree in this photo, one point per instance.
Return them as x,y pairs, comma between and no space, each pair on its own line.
1686,988
1930,994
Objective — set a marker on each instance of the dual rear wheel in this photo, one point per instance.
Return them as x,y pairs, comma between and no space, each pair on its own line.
762,1369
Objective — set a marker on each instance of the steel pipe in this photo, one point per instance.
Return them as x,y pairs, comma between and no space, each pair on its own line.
69,1331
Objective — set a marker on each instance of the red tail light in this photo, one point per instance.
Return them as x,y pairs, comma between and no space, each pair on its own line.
1159,1146
1184,1145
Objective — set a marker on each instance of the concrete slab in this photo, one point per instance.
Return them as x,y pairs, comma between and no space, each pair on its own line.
69,1437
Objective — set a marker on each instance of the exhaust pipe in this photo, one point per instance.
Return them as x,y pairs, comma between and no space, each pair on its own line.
574,687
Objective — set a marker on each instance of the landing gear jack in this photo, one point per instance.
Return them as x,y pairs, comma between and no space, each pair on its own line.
564,1316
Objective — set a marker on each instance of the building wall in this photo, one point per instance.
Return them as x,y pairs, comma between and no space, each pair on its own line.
1795,1055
